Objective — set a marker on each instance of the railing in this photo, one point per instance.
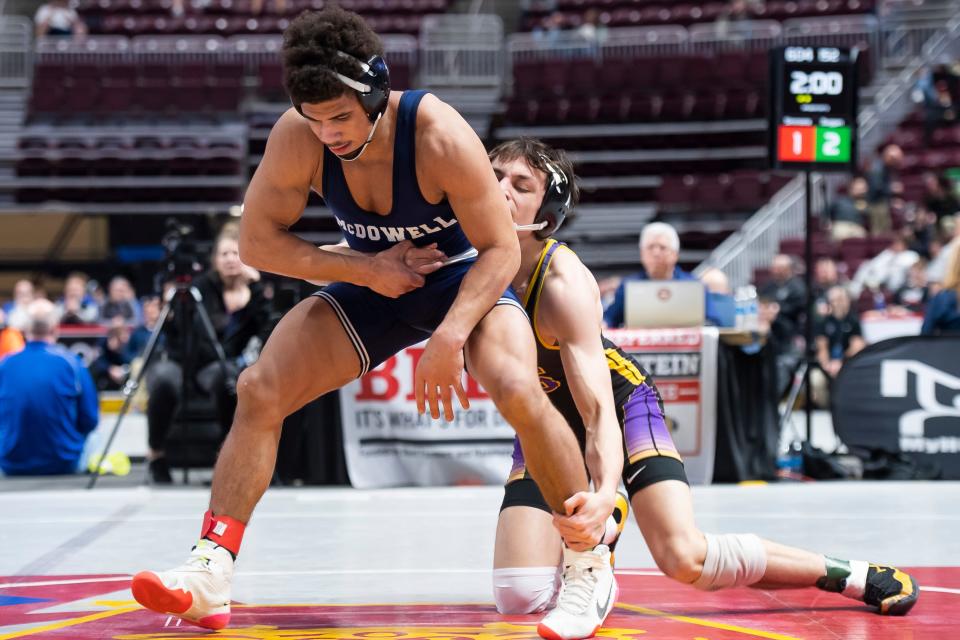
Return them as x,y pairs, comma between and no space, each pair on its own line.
888,44
16,66
171,49
759,238
461,50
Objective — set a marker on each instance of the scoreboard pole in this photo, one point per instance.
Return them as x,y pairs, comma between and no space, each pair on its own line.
812,127
810,347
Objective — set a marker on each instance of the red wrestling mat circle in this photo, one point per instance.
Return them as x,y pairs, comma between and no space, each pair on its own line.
651,607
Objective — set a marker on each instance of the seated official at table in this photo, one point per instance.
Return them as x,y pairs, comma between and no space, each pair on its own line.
659,252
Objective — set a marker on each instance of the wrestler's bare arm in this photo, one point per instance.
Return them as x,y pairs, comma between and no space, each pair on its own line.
456,161
275,200
571,312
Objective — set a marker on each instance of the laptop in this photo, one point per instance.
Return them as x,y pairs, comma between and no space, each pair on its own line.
655,304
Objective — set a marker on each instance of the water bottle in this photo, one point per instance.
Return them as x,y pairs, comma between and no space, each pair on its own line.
751,313
740,308
791,460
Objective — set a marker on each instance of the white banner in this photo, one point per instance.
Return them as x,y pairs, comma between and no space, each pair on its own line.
387,444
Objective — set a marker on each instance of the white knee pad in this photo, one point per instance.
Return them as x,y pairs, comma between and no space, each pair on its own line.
525,589
733,560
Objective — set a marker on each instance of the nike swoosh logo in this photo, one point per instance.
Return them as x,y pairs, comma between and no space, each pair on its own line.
636,473
602,611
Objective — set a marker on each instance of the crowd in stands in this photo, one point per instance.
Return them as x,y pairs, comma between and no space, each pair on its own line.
236,302
77,18
888,246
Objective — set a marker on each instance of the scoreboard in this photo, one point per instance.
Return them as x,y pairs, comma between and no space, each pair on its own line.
813,108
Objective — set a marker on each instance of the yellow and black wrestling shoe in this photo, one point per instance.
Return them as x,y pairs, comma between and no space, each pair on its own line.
891,590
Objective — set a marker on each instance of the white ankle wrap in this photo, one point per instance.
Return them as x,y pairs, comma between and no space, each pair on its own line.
525,589
733,560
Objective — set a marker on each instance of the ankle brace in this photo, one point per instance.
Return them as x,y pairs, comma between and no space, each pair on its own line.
844,576
224,531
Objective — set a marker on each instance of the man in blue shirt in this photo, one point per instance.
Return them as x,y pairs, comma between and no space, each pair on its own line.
659,251
48,403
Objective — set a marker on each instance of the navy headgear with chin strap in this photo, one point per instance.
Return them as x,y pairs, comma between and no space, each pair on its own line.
556,201
373,85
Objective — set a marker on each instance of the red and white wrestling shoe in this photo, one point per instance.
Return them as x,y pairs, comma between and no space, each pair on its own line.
197,591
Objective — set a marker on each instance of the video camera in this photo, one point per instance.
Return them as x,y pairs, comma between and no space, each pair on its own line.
182,260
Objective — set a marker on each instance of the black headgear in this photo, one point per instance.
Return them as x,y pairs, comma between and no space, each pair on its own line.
373,85
556,200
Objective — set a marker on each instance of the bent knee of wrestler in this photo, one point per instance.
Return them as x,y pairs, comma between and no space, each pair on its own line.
258,393
680,557
732,560
520,590
518,397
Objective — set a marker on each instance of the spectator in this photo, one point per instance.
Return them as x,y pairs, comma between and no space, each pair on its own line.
76,306
934,92
141,334
938,261
838,337
716,281
111,368
848,212
825,276
922,227
939,197
782,338
256,6
735,21
549,30
591,29
233,298
11,340
888,269
914,293
943,315
121,302
57,18
608,289
787,289
48,404
720,307
659,252
16,310
885,185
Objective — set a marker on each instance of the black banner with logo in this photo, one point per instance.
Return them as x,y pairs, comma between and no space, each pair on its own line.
903,395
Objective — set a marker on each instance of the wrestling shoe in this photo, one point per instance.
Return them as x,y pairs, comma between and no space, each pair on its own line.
587,595
892,591
616,523
197,591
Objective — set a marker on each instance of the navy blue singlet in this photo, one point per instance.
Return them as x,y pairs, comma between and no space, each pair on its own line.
411,216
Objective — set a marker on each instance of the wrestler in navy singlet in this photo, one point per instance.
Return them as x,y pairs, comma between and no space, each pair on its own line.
650,454
379,326
411,217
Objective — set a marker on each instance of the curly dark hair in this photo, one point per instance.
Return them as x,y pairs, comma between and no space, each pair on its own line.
532,150
310,46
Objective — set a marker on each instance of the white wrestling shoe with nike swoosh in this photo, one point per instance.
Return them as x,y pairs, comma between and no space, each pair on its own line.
587,596
197,591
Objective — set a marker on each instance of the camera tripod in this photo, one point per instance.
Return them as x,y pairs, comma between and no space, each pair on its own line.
188,301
